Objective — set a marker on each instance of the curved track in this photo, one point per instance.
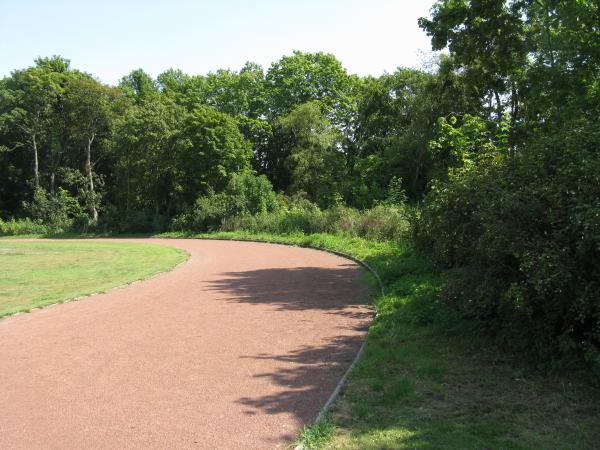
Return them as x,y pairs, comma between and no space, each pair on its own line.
236,348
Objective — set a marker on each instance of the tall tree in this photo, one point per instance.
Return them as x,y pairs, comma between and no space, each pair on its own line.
139,86
488,40
28,99
213,150
305,77
311,157
91,106
146,140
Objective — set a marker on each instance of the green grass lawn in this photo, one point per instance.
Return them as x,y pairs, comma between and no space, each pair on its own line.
427,381
37,273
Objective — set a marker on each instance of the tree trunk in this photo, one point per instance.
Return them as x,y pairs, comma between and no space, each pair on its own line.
88,171
498,105
52,177
36,170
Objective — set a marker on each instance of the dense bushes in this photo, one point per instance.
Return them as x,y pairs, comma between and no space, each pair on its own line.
60,212
521,235
15,227
245,194
249,203
383,222
47,213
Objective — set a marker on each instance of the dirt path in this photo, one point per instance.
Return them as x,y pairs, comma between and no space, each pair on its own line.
237,348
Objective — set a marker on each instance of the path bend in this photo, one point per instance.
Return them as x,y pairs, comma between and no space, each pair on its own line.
239,347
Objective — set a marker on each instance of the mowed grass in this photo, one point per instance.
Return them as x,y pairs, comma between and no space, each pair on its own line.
427,380
37,273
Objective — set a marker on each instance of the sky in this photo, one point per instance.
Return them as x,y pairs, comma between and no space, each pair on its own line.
111,38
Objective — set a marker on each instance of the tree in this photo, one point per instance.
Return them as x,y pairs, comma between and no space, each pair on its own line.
213,150
485,38
306,77
146,140
139,86
28,97
91,106
313,161
237,93
516,216
395,120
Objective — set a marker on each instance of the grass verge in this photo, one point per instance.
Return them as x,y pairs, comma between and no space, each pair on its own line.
38,273
316,435
426,381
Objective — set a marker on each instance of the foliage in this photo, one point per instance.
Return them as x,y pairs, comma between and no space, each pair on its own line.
305,77
383,222
521,236
313,161
145,143
156,145
245,194
395,119
213,150
24,226
59,212
514,220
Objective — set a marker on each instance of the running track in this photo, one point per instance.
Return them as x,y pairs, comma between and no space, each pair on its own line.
239,347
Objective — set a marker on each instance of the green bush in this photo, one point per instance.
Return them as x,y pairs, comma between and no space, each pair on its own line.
381,223
206,215
245,194
18,227
521,234
58,213
134,221
385,222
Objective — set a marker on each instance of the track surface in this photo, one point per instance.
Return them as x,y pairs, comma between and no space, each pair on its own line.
236,348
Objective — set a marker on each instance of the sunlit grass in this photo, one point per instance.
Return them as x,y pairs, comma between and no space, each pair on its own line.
316,435
38,273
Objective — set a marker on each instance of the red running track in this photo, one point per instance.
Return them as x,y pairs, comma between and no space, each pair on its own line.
239,347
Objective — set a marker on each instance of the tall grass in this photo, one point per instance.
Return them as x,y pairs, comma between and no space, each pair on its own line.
381,223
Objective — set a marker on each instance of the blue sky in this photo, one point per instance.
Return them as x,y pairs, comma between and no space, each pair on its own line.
110,38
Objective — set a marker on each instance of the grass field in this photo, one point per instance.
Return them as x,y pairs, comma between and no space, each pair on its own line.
429,382
37,273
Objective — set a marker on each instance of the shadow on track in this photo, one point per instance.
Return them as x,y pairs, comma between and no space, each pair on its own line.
306,372
333,290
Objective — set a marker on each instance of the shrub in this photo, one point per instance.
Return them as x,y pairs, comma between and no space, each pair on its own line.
245,194
18,227
384,222
522,235
59,213
207,214
142,221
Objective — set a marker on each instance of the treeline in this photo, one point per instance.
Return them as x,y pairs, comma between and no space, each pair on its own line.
496,149
138,155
